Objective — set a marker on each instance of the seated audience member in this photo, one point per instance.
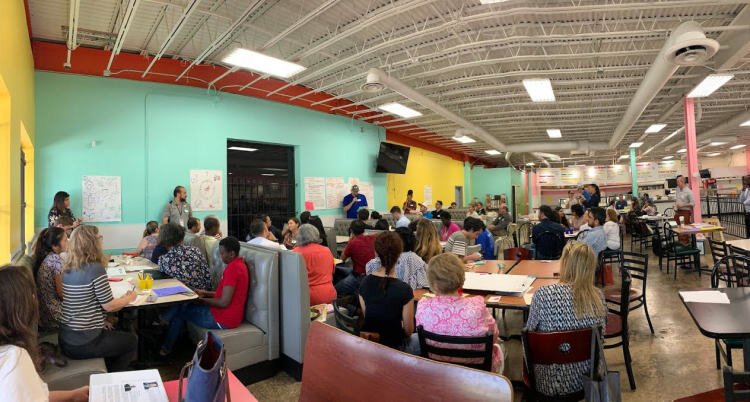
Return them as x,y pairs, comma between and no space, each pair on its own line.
499,226
480,208
362,216
387,302
222,309
576,218
159,249
410,206
194,225
621,203
635,207
428,240
453,205
380,223
544,249
206,242
149,240
562,219
48,268
184,263
87,298
290,233
595,237
472,211
360,249
448,313
60,214
458,241
19,353
612,230
274,234
410,268
259,231
487,242
649,208
400,220
314,220
448,227
320,266
574,303
424,212
439,211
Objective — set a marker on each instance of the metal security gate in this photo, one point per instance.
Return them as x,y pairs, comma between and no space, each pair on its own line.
729,210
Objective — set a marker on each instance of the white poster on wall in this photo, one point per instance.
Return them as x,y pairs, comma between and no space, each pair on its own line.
368,190
102,199
427,196
335,192
315,191
206,190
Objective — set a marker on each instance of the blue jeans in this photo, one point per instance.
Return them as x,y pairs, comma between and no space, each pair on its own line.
198,314
349,285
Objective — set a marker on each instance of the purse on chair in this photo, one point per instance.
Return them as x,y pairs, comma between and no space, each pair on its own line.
207,376
601,385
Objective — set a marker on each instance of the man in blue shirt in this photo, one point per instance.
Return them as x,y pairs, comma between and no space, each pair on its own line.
595,237
353,202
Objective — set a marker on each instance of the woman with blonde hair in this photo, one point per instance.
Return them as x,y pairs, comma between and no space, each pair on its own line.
87,298
428,241
574,303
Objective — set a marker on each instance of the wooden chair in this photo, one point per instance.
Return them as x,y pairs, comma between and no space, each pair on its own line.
637,267
737,273
617,325
517,253
448,348
343,367
554,348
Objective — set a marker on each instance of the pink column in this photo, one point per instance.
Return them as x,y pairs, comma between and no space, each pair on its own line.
692,157
747,159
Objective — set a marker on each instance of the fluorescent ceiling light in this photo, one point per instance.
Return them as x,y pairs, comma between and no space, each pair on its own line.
492,152
242,149
464,139
554,133
539,89
668,157
267,174
745,124
714,154
261,63
530,164
738,146
709,85
717,143
636,145
623,157
655,128
399,110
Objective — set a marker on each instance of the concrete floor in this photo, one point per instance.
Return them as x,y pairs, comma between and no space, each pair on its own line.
675,362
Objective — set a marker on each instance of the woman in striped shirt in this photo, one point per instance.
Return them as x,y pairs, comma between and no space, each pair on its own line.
87,298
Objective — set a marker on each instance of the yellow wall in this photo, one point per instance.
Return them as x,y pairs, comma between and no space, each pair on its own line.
16,123
426,168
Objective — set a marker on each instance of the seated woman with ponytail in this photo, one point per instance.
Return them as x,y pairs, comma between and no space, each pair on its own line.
386,300
48,268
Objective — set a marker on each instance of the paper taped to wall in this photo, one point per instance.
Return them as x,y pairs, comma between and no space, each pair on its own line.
101,199
206,190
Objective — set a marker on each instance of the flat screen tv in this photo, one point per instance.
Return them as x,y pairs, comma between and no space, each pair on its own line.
671,183
705,173
392,158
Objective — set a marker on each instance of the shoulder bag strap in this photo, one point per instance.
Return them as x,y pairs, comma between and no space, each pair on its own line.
187,366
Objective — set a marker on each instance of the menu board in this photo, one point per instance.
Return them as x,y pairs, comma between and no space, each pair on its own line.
548,176
669,169
617,174
570,176
647,172
595,174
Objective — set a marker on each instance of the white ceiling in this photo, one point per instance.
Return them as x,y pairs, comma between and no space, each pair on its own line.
468,57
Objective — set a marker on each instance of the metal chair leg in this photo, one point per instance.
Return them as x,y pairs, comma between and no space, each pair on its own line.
648,317
628,360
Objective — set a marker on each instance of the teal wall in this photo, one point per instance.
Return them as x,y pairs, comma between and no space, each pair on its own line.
152,135
494,181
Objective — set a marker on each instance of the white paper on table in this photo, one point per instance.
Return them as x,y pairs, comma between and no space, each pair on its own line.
500,283
131,386
705,296
120,288
115,271
137,268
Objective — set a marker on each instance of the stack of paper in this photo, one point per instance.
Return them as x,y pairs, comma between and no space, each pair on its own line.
705,296
120,288
500,283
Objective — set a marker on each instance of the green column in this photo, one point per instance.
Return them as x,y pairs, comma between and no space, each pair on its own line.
633,174
530,178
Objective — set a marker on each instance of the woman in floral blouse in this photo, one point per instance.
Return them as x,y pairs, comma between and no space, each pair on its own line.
60,214
184,263
448,313
409,268
48,264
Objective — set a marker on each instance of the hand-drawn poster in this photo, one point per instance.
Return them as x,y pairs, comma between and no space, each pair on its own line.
427,201
206,190
102,199
335,192
368,190
315,191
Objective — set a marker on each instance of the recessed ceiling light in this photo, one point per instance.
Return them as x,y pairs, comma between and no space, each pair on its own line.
717,143
539,89
668,157
738,146
242,149
709,85
530,164
655,128
492,152
399,110
681,151
636,145
623,157
464,139
267,174
745,124
714,154
554,133
261,63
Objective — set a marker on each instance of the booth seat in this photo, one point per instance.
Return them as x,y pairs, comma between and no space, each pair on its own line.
295,311
74,375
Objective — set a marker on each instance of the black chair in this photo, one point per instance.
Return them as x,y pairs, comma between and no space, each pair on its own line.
581,233
736,393
640,233
678,252
428,343
617,325
605,257
548,245
549,348
637,267
737,272
344,321
669,213
719,250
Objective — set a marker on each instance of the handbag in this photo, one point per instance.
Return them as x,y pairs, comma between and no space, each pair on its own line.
600,385
207,376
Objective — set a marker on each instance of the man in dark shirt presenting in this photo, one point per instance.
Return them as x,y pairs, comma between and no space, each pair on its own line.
353,202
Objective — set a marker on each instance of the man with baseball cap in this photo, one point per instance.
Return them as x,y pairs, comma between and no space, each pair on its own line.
353,202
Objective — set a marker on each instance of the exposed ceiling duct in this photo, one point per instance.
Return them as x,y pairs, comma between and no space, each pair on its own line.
731,124
583,146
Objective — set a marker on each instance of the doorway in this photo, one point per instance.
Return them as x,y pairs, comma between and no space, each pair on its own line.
459,196
260,180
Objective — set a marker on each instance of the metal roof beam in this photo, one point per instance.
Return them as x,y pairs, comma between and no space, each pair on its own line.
189,9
